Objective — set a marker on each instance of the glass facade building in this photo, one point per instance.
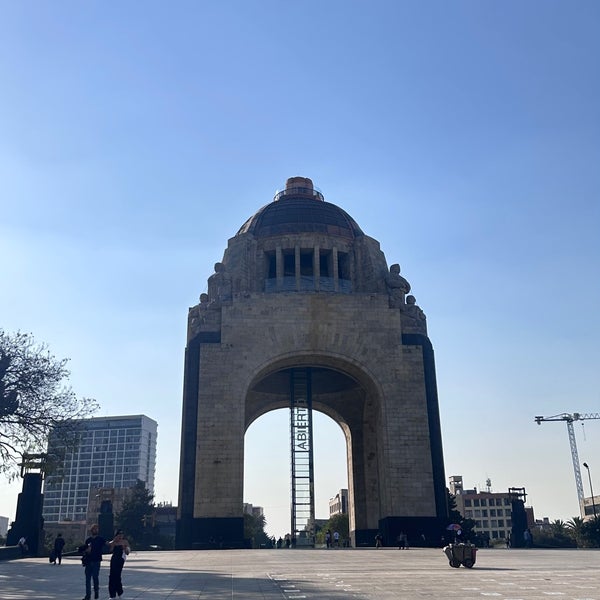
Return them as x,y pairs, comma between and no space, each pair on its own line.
113,452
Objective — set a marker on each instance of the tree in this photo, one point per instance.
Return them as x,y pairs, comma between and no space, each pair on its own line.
136,518
339,523
35,399
254,529
576,530
455,517
591,532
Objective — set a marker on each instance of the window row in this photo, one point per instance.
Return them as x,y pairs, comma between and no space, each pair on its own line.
487,501
492,512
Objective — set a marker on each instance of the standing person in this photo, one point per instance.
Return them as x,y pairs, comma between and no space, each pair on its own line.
59,544
402,539
23,545
378,540
120,549
328,538
92,557
336,539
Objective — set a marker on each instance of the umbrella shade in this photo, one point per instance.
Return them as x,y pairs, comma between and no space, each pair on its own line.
454,527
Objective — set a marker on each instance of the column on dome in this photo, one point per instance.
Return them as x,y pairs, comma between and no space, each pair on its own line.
279,267
317,266
336,279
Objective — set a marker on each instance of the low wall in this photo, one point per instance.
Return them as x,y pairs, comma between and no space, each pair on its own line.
10,552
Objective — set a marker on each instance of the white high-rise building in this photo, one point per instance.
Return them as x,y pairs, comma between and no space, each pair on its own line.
114,452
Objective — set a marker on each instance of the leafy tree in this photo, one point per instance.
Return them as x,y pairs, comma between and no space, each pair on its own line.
254,529
136,518
576,530
35,399
339,523
454,516
558,527
591,533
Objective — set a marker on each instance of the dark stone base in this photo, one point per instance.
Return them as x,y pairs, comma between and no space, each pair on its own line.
210,533
421,531
364,537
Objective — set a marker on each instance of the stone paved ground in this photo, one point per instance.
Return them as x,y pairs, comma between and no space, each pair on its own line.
363,574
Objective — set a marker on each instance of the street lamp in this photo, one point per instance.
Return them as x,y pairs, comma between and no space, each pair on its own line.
591,489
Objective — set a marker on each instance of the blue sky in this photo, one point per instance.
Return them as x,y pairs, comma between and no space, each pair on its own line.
135,139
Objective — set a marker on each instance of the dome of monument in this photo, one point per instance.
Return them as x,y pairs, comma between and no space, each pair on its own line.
300,208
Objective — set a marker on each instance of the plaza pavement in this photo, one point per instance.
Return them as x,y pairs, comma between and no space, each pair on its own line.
340,574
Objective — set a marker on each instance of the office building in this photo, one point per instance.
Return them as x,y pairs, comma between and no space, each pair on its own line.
338,505
491,511
113,452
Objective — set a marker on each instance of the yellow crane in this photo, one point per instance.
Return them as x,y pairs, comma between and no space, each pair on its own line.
568,419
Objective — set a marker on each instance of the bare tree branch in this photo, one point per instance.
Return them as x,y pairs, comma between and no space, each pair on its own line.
35,399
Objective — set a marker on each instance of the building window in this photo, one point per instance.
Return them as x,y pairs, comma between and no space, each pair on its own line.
271,265
325,263
289,265
343,265
467,502
306,263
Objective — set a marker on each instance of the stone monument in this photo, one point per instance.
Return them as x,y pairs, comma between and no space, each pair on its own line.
301,286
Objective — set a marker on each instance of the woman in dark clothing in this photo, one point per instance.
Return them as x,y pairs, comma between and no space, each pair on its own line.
120,549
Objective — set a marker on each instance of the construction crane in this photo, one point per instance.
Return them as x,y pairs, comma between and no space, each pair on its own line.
568,419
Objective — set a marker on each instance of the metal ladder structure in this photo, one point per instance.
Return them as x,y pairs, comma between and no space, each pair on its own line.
301,437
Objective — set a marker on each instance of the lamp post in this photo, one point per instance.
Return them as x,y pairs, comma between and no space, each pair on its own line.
591,489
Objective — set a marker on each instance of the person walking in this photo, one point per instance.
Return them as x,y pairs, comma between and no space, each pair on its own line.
57,548
336,539
119,550
92,557
59,544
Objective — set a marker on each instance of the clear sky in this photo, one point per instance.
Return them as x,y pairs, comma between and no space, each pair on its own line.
136,138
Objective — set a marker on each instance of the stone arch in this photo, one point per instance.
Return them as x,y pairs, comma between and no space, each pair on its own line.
304,286
344,391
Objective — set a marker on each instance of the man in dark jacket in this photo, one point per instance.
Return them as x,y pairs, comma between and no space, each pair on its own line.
59,544
92,557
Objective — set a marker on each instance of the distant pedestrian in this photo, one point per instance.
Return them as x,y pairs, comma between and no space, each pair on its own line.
336,539
59,544
22,543
402,541
378,541
328,538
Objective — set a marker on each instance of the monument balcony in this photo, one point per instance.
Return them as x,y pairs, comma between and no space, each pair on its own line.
308,284
299,191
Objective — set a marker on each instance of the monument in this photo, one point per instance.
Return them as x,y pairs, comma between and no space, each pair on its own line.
301,289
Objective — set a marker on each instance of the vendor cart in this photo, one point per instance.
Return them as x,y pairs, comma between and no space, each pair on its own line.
461,554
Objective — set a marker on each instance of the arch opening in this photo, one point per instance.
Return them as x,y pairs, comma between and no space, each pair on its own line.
267,466
342,396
